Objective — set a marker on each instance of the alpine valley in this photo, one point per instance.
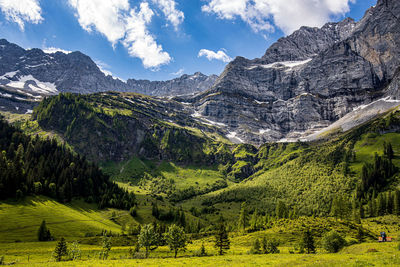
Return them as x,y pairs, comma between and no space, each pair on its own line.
303,141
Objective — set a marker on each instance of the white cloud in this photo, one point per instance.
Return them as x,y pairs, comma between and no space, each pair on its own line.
51,50
103,67
210,55
179,72
118,22
106,17
288,15
168,7
21,11
140,43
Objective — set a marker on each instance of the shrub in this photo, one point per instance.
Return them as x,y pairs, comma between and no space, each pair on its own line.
256,248
333,242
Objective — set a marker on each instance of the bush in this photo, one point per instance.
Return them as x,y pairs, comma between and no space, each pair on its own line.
256,248
270,246
333,242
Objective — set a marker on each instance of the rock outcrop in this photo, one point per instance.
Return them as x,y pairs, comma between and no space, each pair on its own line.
308,80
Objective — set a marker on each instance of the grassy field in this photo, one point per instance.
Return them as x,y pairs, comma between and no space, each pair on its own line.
366,254
20,221
183,176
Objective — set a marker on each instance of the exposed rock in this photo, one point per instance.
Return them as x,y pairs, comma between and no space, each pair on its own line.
308,80
36,71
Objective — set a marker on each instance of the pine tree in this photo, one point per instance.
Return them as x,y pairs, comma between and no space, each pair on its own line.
43,232
389,203
222,242
203,250
381,204
360,234
308,242
396,202
281,210
243,218
254,221
60,250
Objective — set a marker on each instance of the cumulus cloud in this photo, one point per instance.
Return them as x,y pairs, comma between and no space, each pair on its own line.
21,11
210,55
51,50
288,15
119,22
140,43
168,7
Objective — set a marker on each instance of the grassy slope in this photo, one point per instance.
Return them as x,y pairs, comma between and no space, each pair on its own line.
20,221
183,176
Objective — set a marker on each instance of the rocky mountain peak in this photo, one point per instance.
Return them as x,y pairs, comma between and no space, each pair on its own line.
309,79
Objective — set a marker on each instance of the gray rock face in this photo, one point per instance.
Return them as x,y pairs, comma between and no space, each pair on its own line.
308,80
77,73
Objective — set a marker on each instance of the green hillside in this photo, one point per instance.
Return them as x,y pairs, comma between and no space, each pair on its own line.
20,220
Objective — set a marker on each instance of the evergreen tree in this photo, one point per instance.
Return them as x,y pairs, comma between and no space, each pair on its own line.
362,211
203,250
222,242
256,249
281,210
43,232
243,218
308,243
254,221
60,250
176,239
396,202
389,203
360,234
381,204
155,211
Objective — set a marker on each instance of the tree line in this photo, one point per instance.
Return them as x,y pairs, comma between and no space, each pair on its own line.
33,166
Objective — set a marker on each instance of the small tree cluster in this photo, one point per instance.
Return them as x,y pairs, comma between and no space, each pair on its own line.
44,233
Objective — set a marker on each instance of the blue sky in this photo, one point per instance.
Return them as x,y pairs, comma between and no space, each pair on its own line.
162,39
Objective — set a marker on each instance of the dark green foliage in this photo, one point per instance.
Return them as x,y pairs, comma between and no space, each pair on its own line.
333,242
203,250
396,204
360,234
222,242
269,246
148,238
105,246
60,250
133,211
44,232
176,239
256,248
307,243
44,167
281,210
243,217
376,175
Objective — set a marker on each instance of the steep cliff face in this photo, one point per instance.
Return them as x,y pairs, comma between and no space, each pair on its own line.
308,80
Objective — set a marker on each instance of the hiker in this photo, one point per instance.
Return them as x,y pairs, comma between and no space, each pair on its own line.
383,235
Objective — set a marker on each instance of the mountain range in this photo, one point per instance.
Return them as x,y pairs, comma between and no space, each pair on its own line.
27,75
315,80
